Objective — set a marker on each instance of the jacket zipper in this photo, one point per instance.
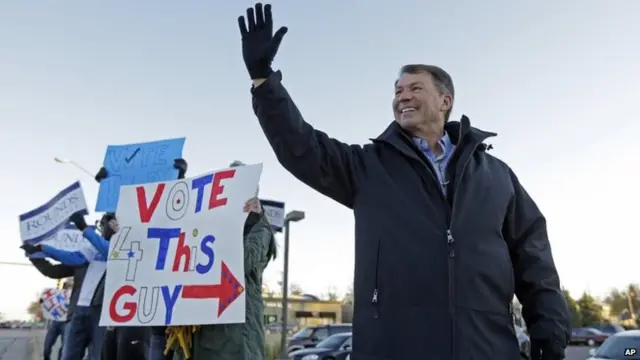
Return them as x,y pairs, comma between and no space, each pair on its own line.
374,297
452,253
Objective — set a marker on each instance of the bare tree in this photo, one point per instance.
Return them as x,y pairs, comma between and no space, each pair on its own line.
332,293
295,289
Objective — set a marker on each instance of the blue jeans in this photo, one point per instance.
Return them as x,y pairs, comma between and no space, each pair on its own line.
157,344
83,332
56,330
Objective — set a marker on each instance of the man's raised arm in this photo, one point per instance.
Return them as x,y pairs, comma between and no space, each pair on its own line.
327,165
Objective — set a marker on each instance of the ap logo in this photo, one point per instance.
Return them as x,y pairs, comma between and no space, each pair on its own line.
630,352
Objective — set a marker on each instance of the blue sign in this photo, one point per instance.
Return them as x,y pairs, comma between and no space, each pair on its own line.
135,164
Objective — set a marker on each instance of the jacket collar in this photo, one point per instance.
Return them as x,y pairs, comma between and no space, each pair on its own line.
457,130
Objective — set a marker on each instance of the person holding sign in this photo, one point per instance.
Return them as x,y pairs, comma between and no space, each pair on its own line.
58,324
83,331
445,232
241,341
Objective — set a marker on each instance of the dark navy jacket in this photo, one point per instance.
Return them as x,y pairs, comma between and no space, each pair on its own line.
434,275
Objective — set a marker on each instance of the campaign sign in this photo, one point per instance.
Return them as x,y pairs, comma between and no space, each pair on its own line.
47,220
55,304
68,238
274,210
178,258
134,164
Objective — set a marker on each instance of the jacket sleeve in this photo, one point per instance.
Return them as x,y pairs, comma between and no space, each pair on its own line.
70,258
537,284
256,244
57,271
327,165
97,241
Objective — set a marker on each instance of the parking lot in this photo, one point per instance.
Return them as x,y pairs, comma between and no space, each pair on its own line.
577,353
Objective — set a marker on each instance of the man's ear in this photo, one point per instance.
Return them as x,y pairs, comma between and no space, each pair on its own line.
447,103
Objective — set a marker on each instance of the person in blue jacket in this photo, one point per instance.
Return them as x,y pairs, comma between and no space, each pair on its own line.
83,332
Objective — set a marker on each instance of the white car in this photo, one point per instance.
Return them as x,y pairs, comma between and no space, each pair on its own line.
624,345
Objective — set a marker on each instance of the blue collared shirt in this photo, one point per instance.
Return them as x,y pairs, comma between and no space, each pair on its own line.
439,162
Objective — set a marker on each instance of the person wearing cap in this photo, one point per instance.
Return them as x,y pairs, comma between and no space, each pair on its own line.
241,341
445,233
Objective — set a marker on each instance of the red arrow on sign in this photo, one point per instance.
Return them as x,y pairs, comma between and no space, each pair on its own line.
228,290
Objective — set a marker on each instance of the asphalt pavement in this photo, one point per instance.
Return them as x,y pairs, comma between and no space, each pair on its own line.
17,344
577,353
20,345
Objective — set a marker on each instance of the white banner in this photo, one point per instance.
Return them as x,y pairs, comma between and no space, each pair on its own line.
68,239
55,304
178,258
274,210
45,221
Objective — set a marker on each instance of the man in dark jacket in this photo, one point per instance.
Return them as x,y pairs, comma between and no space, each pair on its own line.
445,233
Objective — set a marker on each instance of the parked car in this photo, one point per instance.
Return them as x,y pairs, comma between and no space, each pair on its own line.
310,336
623,345
608,329
277,327
335,347
587,336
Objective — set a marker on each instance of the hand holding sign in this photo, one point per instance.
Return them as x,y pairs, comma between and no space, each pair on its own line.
31,249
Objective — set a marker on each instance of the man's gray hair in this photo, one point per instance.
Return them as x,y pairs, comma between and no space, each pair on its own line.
441,79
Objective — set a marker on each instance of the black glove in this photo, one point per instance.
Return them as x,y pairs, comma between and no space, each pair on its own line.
546,350
78,220
181,165
102,174
259,43
31,249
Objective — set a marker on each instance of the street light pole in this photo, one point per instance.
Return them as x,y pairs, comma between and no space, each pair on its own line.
14,263
293,216
71,162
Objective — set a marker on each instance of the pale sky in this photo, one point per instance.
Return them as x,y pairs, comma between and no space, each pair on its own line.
556,80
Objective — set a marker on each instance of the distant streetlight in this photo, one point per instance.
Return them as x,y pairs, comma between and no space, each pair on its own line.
71,162
293,216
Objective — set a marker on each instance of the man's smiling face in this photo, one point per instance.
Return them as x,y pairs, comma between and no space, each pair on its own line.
418,101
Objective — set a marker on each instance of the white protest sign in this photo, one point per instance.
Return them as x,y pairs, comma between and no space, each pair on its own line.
274,210
68,239
46,220
55,304
178,258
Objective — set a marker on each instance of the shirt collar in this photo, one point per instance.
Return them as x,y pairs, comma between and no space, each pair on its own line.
445,144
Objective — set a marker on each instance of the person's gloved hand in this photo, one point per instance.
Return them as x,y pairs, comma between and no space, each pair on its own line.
31,249
102,174
78,220
546,349
259,43
181,165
